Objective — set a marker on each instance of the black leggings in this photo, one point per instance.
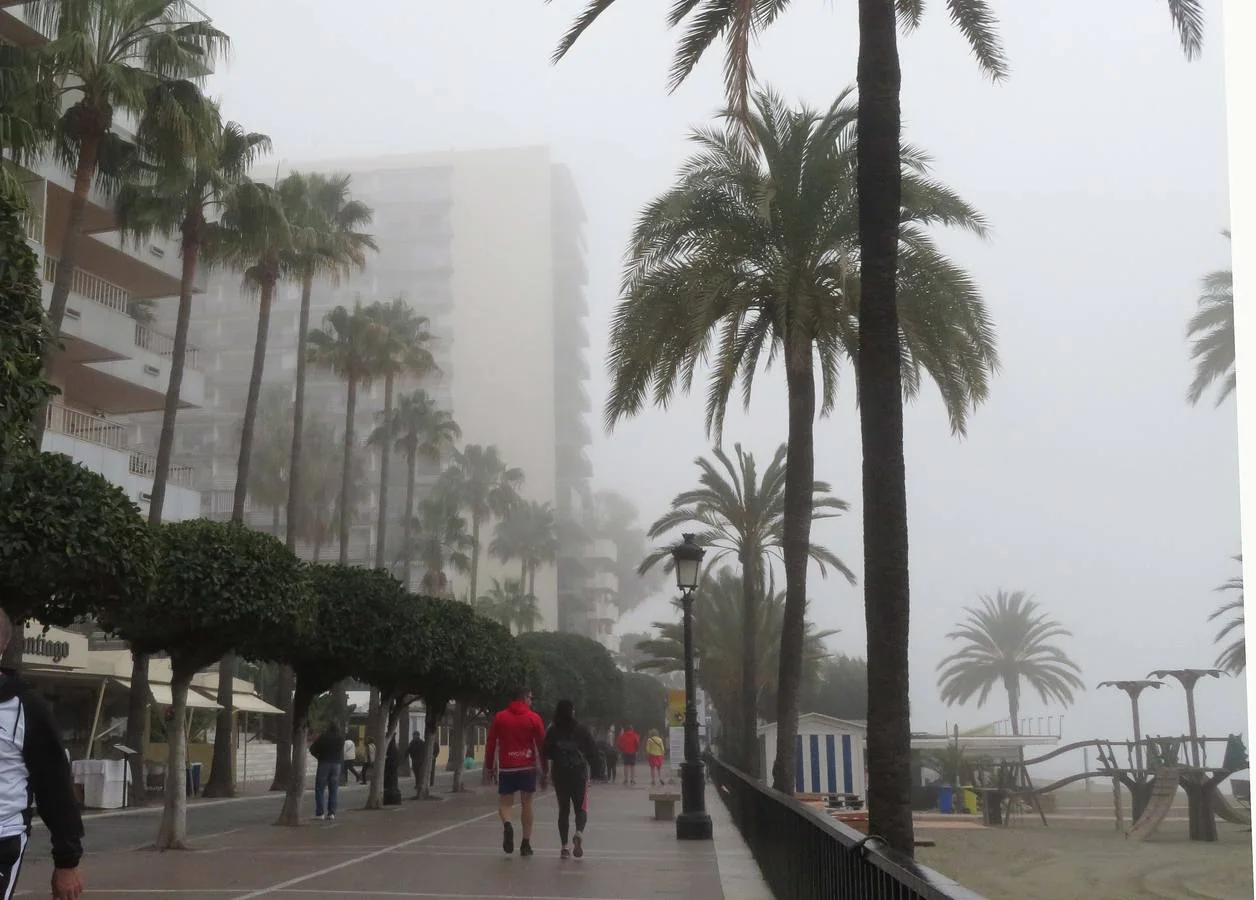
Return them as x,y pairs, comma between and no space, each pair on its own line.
570,792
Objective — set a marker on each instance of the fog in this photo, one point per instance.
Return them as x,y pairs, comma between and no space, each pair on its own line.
1086,479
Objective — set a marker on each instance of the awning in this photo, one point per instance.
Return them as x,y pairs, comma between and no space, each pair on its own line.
251,703
162,697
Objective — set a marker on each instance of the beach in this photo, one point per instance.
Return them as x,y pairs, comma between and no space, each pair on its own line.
1081,856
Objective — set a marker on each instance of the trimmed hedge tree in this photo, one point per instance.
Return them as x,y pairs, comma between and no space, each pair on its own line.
576,668
219,588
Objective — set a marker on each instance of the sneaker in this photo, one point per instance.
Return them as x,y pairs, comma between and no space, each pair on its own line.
577,845
319,816
331,817
508,837
525,848
564,853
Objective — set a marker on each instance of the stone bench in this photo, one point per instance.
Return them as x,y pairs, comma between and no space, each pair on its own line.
664,805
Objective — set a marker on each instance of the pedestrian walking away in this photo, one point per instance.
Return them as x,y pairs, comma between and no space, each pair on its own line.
570,757
34,766
512,755
351,752
328,750
368,763
629,744
415,754
654,753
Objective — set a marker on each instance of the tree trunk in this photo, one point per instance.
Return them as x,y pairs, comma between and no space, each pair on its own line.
346,469
457,745
747,753
475,557
1013,708
379,731
880,392
137,726
283,747
221,781
173,833
67,264
799,477
301,699
385,457
431,730
407,527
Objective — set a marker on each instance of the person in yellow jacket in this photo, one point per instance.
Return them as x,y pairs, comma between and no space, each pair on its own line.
654,752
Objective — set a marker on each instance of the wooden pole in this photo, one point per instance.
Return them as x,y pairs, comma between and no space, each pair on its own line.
100,701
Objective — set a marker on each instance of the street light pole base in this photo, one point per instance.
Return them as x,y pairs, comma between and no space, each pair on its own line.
693,826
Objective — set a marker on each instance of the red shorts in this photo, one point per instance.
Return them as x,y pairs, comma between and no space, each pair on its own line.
656,762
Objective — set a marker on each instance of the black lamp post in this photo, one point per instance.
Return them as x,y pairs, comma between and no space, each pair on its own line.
693,823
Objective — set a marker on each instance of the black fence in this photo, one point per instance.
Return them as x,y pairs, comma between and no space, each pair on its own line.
805,855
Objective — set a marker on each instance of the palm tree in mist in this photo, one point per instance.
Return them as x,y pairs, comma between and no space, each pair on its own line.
1007,640
441,542
880,368
1233,656
1211,332
529,533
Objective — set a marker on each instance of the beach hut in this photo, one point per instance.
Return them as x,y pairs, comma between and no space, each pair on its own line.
828,754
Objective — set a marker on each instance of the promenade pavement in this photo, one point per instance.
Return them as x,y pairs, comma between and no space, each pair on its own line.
448,849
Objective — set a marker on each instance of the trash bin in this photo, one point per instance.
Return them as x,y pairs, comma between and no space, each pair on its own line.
946,798
194,779
969,803
992,803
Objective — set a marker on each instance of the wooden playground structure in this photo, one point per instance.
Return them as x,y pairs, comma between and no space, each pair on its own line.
1155,770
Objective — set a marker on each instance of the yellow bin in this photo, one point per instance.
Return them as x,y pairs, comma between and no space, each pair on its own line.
970,801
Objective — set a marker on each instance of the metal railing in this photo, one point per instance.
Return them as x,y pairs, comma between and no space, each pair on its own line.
92,287
805,855
145,465
86,427
163,345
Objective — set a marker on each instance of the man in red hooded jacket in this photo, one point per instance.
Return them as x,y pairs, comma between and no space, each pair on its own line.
512,753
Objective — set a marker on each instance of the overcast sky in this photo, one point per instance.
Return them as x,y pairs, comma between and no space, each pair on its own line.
1100,163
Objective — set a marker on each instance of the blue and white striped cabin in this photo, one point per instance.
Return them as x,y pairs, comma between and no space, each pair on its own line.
828,754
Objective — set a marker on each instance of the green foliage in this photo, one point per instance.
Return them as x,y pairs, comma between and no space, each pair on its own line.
1211,332
1233,656
575,668
219,588
645,702
23,334
71,543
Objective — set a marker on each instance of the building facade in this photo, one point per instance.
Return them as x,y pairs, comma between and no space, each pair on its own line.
113,361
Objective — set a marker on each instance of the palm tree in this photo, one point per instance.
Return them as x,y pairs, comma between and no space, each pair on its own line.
1233,657
756,253
268,472
252,237
529,533
1211,331
510,605
319,497
1006,641
349,345
479,482
418,429
879,367
29,109
404,351
442,539
719,620
741,515
113,57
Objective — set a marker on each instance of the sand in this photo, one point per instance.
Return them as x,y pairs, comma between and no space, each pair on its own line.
1081,856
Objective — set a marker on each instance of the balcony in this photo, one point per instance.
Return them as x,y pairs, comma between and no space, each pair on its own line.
108,360
604,583
99,444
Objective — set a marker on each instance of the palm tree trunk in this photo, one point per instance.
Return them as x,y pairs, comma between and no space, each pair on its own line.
221,781
799,476
523,576
89,151
1013,708
283,747
385,456
475,556
887,604
137,701
346,470
748,745
532,580
407,527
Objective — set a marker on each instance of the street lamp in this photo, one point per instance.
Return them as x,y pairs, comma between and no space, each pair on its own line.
693,823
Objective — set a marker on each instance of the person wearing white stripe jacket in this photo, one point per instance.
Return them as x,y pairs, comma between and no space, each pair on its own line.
34,775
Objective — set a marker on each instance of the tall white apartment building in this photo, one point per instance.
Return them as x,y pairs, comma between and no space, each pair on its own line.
489,245
111,364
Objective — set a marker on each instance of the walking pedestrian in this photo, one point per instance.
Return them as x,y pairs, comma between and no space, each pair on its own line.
34,767
629,744
328,750
512,755
351,752
570,756
415,753
610,758
368,763
654,753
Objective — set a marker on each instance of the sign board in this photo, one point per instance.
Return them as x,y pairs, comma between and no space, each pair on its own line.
676,744
676,709
54,649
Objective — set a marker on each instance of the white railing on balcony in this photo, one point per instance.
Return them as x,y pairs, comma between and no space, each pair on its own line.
92,287
163,345
86,427
145,465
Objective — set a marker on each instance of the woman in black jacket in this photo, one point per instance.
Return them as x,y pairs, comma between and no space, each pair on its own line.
570,755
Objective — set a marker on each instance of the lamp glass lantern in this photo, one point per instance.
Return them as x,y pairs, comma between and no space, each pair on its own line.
687,558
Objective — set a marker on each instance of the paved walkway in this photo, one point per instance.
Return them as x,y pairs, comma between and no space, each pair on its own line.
443,850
